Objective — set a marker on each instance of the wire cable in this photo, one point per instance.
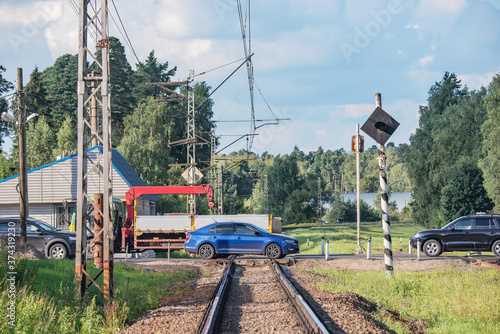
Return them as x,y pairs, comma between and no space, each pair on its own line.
125,31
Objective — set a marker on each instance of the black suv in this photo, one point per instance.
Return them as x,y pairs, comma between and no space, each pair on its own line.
54,243
478,232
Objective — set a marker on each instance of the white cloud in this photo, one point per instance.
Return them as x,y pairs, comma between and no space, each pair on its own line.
435,18
427,10
357,110
425,60
36,13
475,81
61,35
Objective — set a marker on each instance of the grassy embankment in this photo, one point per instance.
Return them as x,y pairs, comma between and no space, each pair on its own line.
46,303
343,238
451,300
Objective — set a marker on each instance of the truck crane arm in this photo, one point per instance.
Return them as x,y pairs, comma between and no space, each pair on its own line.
135,192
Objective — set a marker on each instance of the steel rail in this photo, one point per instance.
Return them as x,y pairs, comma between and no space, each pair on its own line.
211,317
308,317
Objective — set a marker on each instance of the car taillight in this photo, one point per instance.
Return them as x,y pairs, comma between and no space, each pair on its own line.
188,236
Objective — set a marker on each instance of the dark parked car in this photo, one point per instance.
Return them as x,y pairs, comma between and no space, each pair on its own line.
478,232
54,243
222,239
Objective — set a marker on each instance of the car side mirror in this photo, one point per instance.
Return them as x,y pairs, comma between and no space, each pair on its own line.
452,229
256,233
39,232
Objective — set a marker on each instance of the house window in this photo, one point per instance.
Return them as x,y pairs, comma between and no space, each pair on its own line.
63,216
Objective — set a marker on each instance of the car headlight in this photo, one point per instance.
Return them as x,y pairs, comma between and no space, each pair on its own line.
72,239
289,241
417,235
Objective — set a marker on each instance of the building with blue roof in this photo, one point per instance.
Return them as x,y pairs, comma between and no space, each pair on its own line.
52,188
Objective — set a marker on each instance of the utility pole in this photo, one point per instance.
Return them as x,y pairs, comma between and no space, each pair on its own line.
231,189
93,107
384,202
220,186
94,16
191,142
319,200
266,194
23,173
358,149
213,168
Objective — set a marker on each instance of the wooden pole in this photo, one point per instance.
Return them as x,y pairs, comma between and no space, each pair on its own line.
23,174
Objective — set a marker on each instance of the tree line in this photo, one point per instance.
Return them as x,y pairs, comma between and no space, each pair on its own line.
450,164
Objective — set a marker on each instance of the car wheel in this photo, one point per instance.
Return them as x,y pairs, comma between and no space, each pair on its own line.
206,252
432,248
496,248
58,251
273,251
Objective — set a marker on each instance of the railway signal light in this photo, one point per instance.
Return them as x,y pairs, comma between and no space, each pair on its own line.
358,147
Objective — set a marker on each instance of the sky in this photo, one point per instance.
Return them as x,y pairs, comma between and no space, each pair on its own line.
317,63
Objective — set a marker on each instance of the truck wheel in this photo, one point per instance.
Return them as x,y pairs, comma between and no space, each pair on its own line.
206,252
58,251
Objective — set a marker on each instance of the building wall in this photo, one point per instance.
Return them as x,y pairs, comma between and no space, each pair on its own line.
57,183
41,212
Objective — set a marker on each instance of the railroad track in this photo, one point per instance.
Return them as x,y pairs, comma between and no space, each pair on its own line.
263,299
482,261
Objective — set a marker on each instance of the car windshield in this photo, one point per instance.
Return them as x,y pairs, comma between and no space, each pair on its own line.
45,226
449,225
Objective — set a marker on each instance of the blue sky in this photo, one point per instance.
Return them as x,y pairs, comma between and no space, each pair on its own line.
318,63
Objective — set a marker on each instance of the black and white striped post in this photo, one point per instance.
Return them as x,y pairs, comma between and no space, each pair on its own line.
380,126
384,202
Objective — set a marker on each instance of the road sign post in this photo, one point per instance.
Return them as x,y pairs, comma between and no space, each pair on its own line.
380,126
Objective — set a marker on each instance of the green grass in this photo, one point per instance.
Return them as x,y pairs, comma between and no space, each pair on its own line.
46,301
343,238
450,300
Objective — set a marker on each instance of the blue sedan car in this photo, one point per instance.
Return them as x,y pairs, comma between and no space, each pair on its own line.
222,239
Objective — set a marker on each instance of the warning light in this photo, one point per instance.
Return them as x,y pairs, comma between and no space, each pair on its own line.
354,145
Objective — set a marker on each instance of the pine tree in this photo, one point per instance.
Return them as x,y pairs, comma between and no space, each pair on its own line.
35,95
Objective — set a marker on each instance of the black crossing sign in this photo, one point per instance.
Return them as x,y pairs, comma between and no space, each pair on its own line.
380,126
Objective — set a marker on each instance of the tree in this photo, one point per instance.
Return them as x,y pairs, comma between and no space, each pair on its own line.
148,130
490,163
35,95
5,86
40,140
151,71
348,211
465,194
66,139
60,82
121,84
435,147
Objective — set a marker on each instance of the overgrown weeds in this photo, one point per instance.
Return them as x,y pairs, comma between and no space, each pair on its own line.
45,300
450,300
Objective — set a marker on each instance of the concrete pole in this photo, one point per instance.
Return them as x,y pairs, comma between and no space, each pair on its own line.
323,245
358,248
319,201
23,174
384,199
327,250
369,248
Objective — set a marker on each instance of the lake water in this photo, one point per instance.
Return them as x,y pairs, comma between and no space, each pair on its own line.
402,198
